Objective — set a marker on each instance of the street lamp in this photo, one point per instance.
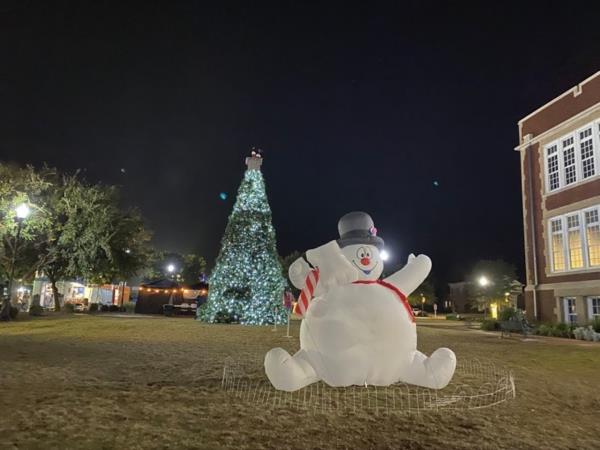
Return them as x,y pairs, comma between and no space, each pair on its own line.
170,268
483,281
384,255
21,213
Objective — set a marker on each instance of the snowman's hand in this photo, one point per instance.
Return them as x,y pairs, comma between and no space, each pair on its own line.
334,268
411,275
298,271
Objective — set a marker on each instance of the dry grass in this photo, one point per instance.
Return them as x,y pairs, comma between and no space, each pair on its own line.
109,382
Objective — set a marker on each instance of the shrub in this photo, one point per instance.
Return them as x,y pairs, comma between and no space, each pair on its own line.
507,314
595,324
561,330
114,308
129,307
13,312
544,330
36,310
454,317
104,308
93,307
69,308
490,325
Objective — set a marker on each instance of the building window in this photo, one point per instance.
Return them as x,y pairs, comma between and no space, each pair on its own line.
558,253
553,169
574,240
575,244
593,307
570,310
586,145
592,229
572,158
569,163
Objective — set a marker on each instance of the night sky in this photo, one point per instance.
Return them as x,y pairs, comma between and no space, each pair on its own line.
408,112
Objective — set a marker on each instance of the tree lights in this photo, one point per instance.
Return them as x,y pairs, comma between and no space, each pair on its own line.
246,284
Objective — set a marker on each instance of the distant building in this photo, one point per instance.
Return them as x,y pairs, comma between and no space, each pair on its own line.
459,297
559,145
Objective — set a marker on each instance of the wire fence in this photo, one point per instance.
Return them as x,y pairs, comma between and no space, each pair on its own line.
476,384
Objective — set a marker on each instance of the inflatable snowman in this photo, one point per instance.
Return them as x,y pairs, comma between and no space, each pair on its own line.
358,329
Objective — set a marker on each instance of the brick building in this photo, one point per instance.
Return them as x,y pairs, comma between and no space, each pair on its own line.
559,147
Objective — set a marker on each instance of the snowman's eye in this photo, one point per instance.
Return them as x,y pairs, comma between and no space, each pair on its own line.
368,254
360,253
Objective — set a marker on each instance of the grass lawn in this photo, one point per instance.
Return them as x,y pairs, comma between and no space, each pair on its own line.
141,382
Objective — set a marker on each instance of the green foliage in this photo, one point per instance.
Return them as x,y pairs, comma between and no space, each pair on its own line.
93,308
454,317
69,307
247,279
490,325
595,324
129,307
554,330
75,230
425,291
506,314
286,262
502,279
188,267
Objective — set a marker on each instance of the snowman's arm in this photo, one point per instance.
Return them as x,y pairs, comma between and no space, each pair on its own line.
298,271
411,275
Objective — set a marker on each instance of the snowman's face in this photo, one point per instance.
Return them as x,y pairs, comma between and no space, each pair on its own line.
366,259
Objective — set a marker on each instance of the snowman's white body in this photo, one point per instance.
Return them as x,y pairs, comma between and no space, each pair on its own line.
357,330
357,334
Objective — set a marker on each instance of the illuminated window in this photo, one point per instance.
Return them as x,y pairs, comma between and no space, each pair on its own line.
558,252
592,228
586,145
575,245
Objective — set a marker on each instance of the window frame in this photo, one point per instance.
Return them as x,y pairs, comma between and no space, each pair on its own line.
590,305
560,155
564,233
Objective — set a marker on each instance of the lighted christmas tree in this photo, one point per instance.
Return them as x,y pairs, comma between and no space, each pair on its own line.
246,284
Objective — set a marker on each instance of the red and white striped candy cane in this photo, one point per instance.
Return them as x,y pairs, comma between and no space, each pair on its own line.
307,292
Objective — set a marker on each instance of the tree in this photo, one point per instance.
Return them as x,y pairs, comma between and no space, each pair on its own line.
489,281
246,283
188,268
18,260
76,230
286,262
426,291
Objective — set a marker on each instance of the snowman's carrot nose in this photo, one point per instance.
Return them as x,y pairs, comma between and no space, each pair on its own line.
365,261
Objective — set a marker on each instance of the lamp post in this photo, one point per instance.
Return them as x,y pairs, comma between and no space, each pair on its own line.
21,213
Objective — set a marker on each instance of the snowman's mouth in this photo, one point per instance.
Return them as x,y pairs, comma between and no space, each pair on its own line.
365,271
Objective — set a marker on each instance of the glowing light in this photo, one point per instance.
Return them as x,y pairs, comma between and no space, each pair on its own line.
170,268
22,211
384,255
483,281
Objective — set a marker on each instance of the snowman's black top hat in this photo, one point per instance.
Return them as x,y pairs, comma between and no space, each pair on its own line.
357,227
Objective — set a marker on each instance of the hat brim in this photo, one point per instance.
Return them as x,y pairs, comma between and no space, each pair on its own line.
376,241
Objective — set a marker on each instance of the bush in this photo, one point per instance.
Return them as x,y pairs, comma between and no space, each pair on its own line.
595,324
69,308
36,310
104,308
544,330
454,317
13,312
490,325
93,307
114,308
506,314
129,307
561,330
